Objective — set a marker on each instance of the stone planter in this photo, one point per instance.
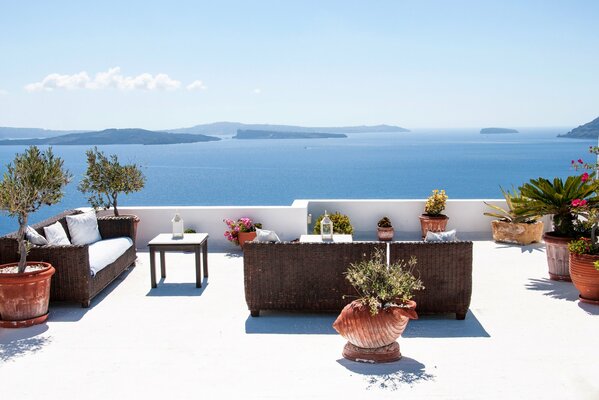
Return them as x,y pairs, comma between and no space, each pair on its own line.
558,263
518,233
585,277
433,223
385,234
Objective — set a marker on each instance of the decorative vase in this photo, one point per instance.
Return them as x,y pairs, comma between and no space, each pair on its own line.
243,237
385,234
373,338
557,256
518,233
585,277
433,223
24,296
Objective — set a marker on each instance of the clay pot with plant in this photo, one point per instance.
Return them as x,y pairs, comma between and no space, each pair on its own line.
384,229
374,321
241,231
584,267
341,224
32,180
433,219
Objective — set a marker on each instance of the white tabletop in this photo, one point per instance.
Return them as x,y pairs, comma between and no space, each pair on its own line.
318,239
188,238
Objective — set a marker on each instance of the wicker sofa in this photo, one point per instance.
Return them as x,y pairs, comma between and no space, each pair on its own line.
73,280
309,276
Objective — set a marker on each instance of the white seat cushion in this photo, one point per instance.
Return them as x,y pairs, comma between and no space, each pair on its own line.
83,228
34,237
262,235
449,236
105,252
56,235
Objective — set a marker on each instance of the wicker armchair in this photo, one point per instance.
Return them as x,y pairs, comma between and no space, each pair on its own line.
73,280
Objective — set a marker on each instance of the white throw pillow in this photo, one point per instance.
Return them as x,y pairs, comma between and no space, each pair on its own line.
35,238
56,235
262,235
84,228
449,236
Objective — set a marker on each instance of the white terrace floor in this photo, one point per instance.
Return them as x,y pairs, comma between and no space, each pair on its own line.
525,337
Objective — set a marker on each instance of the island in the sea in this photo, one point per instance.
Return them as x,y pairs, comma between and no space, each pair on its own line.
256,134
497,130
589,130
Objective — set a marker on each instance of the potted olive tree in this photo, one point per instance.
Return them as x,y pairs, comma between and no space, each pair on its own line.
372,323
433,220
106,178
33,179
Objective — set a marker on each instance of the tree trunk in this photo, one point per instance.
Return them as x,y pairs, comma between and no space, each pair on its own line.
22,244
116,211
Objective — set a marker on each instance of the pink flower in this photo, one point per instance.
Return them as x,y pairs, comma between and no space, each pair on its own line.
573,162
583,203
585,177
579,203
580,161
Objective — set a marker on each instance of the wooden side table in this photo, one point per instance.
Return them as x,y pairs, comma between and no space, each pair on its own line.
196,242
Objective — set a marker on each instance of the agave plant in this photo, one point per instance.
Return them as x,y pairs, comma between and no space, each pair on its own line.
564,200
509,214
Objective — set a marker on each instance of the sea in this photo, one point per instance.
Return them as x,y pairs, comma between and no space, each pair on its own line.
393,165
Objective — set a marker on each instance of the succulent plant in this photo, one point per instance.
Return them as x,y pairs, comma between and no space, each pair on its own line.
384,222
435,204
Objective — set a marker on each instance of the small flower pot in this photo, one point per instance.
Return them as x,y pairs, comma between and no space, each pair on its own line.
585,277
433,223
245,237
385,234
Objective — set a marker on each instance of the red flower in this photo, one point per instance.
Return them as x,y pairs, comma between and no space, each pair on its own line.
580,161
575,202
585,177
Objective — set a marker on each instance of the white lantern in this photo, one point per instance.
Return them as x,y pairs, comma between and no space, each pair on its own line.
326,227
177,226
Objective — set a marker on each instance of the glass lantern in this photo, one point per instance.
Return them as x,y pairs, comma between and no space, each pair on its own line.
326,227
177,226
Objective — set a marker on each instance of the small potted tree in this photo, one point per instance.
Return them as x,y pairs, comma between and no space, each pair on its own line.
341,224
384,229
433,220
105,178
33,179
372,323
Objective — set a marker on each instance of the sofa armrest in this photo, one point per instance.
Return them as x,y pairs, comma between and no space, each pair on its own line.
112,227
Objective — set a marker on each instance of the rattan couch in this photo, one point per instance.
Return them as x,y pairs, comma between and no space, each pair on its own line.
309,276
73,280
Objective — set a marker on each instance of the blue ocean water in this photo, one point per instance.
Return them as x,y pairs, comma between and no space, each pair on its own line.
370,165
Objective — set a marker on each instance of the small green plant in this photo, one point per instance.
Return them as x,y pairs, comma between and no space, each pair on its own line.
582,246
509,215
384,222
341,224
379,285
189,230
435,204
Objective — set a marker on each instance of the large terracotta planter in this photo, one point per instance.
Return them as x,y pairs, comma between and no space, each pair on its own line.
245,237
585,277
433,223
373,338
558,263
385,234
518,233
24,297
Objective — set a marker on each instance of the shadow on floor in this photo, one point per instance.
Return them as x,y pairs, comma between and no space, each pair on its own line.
445,326
16,343
390,376
524,249
234,255
555,289
590,309
186,289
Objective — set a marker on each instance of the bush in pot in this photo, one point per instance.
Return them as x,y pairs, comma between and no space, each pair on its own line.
341,224
385,229
33,179
584,267
241,231
433,218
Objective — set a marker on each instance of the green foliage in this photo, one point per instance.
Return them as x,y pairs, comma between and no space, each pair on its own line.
384,222
509,215
582,246
544,197
341,224
379,285
189,230
435,204
105,178
33,179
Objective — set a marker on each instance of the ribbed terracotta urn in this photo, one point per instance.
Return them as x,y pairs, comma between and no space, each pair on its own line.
373,338
433,223
385,234
585,277
556,248
24,297
243,237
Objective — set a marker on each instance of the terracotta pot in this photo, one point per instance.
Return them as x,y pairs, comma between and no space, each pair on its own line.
585,277
519,233
245,237
558,263
24,297
385,234
373,338
433,223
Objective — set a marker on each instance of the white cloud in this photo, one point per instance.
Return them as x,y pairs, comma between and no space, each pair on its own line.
257,90
102,80
196,85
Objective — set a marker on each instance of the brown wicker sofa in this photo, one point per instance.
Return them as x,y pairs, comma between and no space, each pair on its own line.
73,280
309,276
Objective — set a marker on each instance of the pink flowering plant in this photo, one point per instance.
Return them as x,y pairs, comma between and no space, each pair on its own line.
241,225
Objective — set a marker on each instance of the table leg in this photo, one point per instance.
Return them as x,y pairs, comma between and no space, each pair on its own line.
205,257
162,264
152,267
198,267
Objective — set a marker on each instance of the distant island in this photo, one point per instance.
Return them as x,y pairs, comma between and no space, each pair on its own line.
256,134
497,130
113,136
589,130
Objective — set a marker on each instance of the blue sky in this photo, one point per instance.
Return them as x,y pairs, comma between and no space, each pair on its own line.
158,65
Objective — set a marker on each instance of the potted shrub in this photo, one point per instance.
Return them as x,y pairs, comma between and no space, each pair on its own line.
241,231
33,179
384,229
512,228
341,224
566,201
106,178
584,268
433,220
373,322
